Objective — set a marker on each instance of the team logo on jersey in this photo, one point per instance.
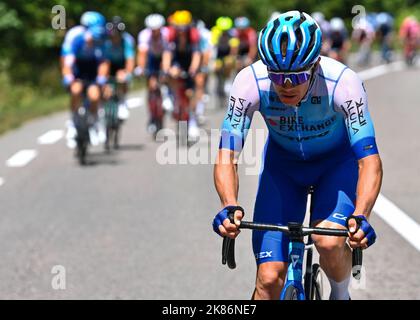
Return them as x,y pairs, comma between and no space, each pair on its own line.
264,254
354,114
316,100
237,108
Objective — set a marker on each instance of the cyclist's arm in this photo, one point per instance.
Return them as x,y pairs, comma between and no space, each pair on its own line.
195,62
196,53
129,53
104,69
68,52
244,100
142,48
351,100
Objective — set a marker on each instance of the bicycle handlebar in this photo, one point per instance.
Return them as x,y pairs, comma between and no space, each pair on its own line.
228,248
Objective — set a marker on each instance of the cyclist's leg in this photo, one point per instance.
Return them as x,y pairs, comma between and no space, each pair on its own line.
76,94
279,200
333,202
200,82
94,96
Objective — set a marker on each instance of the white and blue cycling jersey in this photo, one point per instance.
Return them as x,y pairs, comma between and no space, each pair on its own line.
84,55
332,117
73,32
317,143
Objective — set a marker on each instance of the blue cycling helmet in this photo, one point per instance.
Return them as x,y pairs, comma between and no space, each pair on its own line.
91,19
292,42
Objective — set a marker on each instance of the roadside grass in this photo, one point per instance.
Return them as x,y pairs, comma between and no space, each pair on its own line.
20,103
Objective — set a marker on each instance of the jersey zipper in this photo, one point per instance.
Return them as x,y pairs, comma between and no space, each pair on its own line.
299,136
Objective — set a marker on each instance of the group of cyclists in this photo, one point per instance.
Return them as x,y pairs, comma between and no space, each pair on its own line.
175,55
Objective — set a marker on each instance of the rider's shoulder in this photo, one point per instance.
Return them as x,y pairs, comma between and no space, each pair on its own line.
332,70
259,69
128,38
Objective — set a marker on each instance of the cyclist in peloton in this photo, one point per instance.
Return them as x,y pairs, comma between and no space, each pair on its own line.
340,43
184,61
247,51
85,67
152,46
320,134
120,51
409,34
364,35
385,24
200,80
326,31
223,38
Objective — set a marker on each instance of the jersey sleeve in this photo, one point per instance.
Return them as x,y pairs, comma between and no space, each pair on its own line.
244,100
143,39
71,49
350,99
129,46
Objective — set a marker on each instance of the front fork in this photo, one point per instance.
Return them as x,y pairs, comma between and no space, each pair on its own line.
294,270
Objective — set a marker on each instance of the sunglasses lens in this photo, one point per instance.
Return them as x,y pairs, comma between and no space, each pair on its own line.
294,78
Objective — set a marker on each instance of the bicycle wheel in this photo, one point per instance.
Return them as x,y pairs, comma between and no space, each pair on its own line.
317,283
291,293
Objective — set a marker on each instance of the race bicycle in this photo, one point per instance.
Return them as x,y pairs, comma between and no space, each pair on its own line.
294,289
113,123
83,121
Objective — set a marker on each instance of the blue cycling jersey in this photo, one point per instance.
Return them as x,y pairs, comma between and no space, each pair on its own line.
332,117
316,143
84,54
121,52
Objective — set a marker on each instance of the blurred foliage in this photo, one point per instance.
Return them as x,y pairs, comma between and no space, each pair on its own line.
30,45
30,82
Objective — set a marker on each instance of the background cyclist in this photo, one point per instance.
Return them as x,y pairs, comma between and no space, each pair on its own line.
152,46
247,50
340,43
184,61
223,38
201,78
85,67
120,51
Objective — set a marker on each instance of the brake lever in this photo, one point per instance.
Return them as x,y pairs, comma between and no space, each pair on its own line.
357,254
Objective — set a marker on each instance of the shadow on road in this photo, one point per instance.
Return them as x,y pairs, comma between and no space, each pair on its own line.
131,147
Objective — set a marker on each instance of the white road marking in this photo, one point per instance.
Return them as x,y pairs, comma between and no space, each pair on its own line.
51,137
134,102
21,158
381,70
398,220
1,181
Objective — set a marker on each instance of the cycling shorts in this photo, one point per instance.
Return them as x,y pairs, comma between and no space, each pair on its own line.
283,189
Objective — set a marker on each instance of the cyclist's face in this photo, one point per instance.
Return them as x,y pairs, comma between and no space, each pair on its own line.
291,95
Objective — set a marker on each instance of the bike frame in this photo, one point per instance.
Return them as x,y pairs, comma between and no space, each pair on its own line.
294,270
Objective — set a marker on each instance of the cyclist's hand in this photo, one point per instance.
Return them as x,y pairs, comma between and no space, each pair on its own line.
138,71
361,232
68,80
192,72
222,225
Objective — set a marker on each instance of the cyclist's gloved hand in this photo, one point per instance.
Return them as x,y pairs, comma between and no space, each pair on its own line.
222,225
364,236
138,71
101,80
128,77
67,80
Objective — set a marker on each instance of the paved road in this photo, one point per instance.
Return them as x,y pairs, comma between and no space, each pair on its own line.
127,227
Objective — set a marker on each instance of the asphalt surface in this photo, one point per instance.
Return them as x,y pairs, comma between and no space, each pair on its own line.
129,227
